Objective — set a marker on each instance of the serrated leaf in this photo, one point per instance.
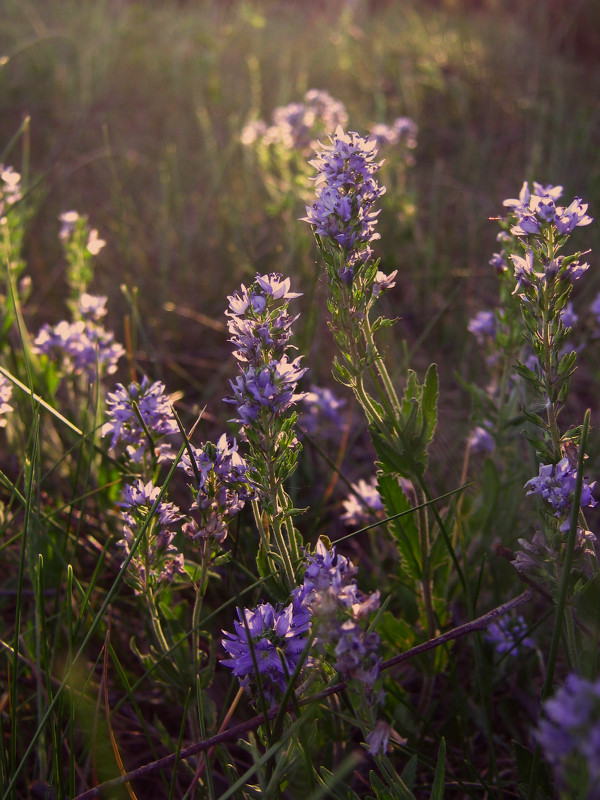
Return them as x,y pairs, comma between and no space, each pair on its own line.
403,529
429,403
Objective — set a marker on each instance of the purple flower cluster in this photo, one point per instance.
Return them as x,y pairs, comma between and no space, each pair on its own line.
508,635
322,412
329,603
480,440
5,396
297,126
276,637
535,209
260,329
555,484
223,487
403,131
346,192
564,269
363,505
82,347
156,558
483,326
569,735
10,189
124,425
337,607
69,220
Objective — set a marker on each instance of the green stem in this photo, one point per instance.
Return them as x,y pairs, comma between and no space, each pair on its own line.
381,368
562,594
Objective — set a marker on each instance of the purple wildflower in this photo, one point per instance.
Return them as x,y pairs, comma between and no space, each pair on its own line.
483,326
595,308
271,389
322,411
480,440
80,347
569,735
124,425
337,606
297,126
534,209
68,220
223,488
346,193
568,316
156,558
10,189
498,262
271,632
402,131
507,635
555,484
363,504
92,307
379,738
5,396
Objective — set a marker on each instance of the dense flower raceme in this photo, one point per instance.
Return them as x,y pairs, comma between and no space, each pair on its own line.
402,131
329,603
322,412
569,735
156,558
297,126
277,636
5,396
223,487
10,190
82,347
260,329
555,484
509,635
480,440
533,209
69,221
364,504
346,192
125,427
338,607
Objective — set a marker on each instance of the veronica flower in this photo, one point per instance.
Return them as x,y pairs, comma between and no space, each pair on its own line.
337,606
277,637
156,558
223,487
346,192
480,440
364,504
508,635
534,209
5,396
321,411
124,425
80,347
260,329
482,326
10,189
555,484
569,735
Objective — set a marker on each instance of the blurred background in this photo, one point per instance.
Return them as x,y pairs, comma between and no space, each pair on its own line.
131,113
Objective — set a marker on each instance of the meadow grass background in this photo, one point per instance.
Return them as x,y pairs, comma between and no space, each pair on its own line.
134,115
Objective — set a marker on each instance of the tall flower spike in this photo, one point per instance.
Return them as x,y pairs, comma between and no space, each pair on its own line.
346,192
124,425
271,632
